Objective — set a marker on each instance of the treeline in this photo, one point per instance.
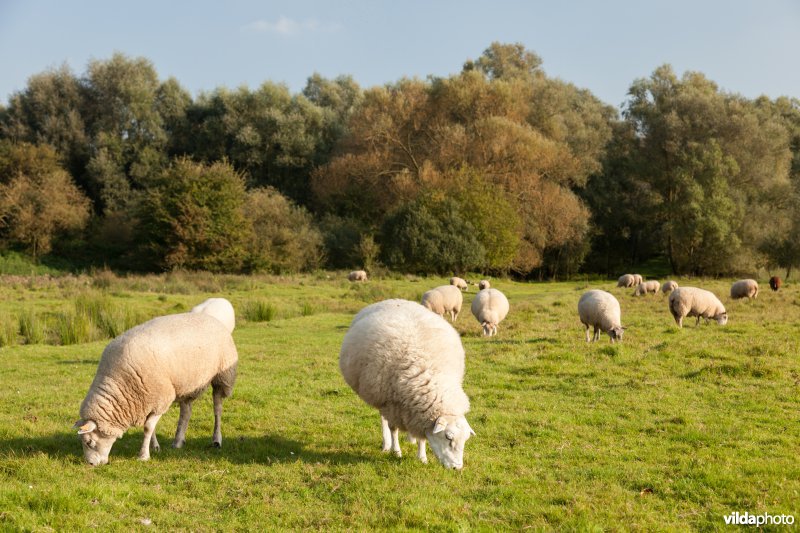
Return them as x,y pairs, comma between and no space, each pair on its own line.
499,168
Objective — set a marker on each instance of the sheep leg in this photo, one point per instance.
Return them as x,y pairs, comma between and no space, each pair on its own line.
596,334
183,423
218,397
154,443
149,431
396,442
421,451
387,435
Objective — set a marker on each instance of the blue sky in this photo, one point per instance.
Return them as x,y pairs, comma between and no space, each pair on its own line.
748,47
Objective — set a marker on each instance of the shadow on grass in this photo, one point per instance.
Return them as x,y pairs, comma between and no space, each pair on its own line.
268,449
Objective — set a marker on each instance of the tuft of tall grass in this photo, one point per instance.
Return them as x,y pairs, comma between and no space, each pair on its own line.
32,327
74,328
9,330
110,319
259,311
308,309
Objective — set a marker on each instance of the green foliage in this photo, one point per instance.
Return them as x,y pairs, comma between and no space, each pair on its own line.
369,251
193,218
32,327
9,329
39,202
431,235
284,237
259,311
73,328
342,238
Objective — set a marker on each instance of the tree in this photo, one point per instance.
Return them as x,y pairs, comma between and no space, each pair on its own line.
38,199
193,217
431,234
284,237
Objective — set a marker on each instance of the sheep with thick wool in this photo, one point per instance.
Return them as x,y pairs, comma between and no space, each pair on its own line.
444,299
484,284
626,280
669,286
600,310
357,275
647,287
490,307
744,288
409,364
459,282
147,368
691,301
219,308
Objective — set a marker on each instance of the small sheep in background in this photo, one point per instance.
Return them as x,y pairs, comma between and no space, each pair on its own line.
357,275
647,287
483,284
409,364
458,282
669,286
691,301
637,279
600,310
219,308
744,288
147,368
625,280
775,283
444,299
490,307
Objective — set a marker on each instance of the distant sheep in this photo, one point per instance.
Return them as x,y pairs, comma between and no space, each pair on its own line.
409,364
600,310
626,280
444,299
744,288
219,308
147,368
691,301
357,275
647,287
775,283
455,281
637,279
669,286
483,284
490,307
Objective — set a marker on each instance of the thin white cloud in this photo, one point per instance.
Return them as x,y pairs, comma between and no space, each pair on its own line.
286,26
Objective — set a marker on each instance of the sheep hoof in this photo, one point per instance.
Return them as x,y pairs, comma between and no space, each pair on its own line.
216,444
143,457
398,453
178,444
156,448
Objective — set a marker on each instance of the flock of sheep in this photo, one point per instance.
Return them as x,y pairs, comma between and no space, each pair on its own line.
401,357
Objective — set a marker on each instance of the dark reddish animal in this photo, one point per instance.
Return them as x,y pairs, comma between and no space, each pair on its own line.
774,283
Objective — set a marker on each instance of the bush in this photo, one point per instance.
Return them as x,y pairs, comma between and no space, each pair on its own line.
431,235
284,238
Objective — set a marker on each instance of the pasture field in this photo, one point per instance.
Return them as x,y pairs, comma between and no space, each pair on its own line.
669,430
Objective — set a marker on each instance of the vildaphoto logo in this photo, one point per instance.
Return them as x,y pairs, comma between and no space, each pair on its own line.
747,519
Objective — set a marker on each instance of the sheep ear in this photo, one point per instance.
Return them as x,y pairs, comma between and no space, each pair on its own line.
471,431
440,425
88,427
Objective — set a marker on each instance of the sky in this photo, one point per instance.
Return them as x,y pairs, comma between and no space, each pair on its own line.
747,47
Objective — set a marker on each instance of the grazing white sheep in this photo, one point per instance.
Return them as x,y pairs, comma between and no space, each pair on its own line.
625,280
444,299
483,284
744,288
600,310
141,372
490,307
691,301
458,282
219,308
357,275
669,286
409,364
647,287
637,279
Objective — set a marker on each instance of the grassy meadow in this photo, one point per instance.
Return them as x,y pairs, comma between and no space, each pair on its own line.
671,429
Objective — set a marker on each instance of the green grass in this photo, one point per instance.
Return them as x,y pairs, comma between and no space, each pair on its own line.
669,430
